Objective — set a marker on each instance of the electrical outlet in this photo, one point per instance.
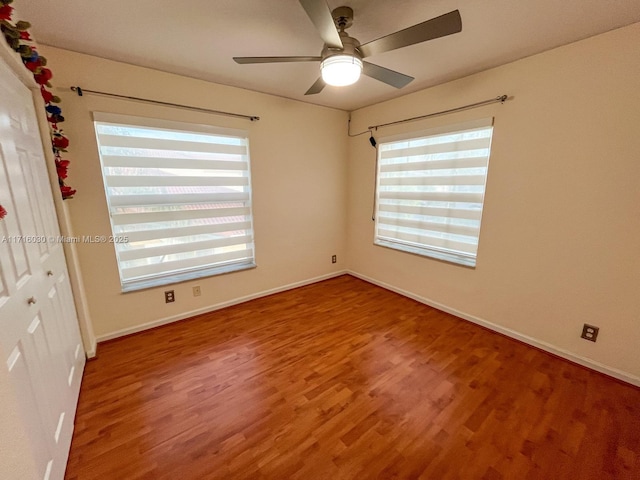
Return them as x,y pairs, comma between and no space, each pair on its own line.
589,332
334,258
196,291
169,296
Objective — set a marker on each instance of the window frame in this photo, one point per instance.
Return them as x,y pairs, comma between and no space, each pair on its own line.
190,273
423,249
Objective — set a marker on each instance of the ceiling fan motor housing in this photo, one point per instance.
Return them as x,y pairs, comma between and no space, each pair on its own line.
350,46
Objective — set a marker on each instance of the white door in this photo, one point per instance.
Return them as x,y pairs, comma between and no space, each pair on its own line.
39,335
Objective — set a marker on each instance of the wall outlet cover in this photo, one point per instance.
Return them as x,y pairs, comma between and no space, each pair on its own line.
590,332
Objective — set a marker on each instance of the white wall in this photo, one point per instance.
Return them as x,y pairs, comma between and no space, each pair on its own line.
298,159
560,237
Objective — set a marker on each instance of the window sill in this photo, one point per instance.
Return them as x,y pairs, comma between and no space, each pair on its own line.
185,276
449,257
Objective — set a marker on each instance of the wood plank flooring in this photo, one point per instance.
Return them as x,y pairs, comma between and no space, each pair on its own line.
345,380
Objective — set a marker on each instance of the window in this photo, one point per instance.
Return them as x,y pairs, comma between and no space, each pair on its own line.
179,198
430,191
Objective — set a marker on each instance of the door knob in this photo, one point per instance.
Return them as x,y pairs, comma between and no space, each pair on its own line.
31,300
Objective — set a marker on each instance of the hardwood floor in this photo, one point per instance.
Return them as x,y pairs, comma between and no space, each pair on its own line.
345,380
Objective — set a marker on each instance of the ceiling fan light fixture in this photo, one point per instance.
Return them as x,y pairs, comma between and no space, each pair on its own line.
341,70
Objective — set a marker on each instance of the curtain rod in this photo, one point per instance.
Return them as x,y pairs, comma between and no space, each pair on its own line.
81,91
501,99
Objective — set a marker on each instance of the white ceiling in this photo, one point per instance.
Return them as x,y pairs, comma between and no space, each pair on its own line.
198,38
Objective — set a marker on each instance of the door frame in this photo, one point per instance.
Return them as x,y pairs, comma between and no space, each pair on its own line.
12,59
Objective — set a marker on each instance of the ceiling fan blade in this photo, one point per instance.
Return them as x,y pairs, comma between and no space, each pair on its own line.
390,77
244,60
320,14
316,87
441,26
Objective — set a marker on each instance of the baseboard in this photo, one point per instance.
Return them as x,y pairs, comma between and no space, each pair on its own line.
212,308
567,355
92,352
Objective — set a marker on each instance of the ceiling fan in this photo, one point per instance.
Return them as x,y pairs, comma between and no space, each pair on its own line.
341,59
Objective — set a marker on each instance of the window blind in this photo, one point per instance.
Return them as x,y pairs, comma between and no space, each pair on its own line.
430,191
179,199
